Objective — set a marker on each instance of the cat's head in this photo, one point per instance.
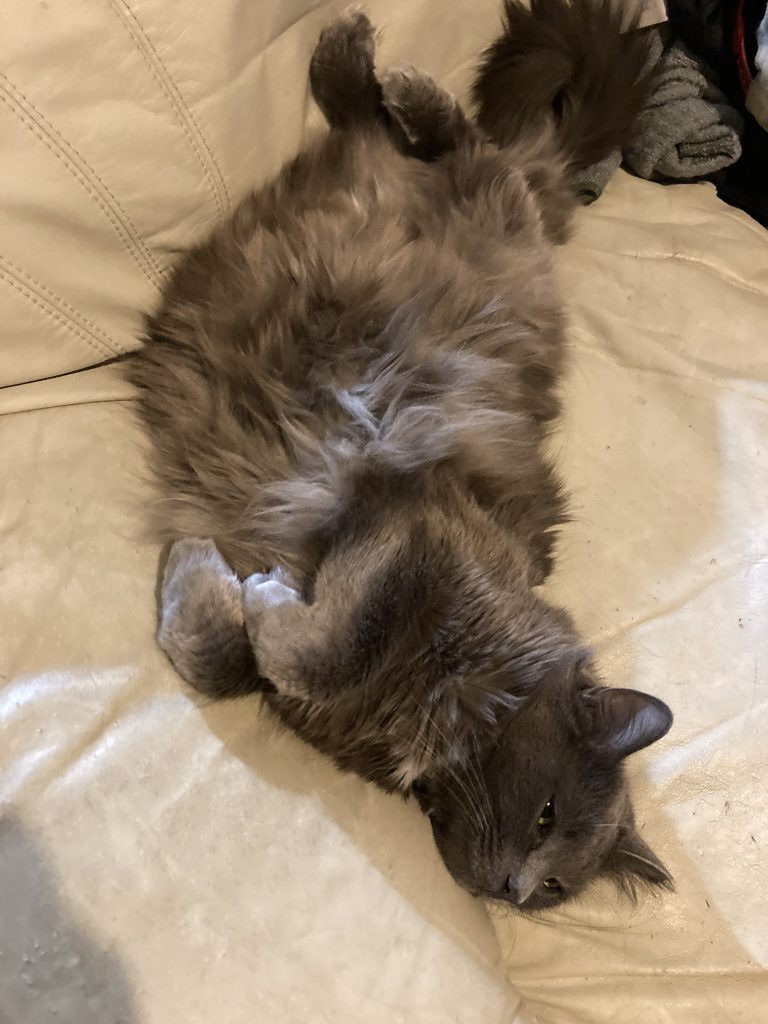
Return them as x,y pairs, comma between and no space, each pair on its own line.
543,809
464,665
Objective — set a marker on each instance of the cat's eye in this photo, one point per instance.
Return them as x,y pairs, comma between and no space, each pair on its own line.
546,817
552,885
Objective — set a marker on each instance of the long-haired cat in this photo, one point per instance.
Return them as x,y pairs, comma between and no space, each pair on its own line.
347,387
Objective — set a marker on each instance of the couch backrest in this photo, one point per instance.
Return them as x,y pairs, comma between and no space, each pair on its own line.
129,127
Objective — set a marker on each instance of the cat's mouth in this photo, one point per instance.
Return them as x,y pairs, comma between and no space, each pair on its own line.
534,905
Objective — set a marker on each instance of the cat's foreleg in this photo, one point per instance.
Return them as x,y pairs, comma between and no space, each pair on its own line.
502,182
228,637
202,626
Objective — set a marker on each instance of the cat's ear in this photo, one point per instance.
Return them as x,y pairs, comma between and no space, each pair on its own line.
618,722
633,862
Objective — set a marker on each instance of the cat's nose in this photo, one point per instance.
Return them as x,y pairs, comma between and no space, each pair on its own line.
519,887
510,890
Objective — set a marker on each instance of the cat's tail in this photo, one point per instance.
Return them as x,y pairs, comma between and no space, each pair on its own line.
570,61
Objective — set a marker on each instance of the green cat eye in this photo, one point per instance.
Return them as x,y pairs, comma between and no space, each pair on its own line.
547,817
552,884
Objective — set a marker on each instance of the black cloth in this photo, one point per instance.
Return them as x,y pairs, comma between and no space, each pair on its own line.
707,28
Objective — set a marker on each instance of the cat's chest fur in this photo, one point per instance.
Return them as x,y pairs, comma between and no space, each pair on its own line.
353,314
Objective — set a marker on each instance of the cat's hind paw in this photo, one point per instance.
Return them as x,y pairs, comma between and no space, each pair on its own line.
430,118
342,73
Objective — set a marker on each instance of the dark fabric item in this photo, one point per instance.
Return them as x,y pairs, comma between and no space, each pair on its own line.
744,28
707,27
739,49
590,183
745,185
687,129
702,26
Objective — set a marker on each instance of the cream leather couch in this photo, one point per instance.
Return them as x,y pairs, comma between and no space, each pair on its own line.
164,861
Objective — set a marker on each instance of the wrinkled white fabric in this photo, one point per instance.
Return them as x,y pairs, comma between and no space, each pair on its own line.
163,860
171,861
665,449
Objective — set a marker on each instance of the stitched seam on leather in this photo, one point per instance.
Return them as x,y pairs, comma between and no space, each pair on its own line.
62,305
180,108
59,316
31,117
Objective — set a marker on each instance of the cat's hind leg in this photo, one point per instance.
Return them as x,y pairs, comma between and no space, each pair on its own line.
433,125
342,74
432,120
201,622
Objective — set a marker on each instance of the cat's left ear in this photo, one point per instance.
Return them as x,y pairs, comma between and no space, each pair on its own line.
618,722
632,861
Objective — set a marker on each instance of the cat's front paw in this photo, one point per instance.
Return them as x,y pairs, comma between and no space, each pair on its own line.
201,616
191,557
263,591
195,576
276,624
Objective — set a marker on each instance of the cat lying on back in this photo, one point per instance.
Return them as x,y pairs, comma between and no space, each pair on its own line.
348,387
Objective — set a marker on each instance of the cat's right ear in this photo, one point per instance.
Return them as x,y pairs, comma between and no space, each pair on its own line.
618,722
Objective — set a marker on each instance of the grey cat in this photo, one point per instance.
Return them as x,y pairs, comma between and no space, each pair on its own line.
348,387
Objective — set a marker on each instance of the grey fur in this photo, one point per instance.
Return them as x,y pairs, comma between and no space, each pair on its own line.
352,381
